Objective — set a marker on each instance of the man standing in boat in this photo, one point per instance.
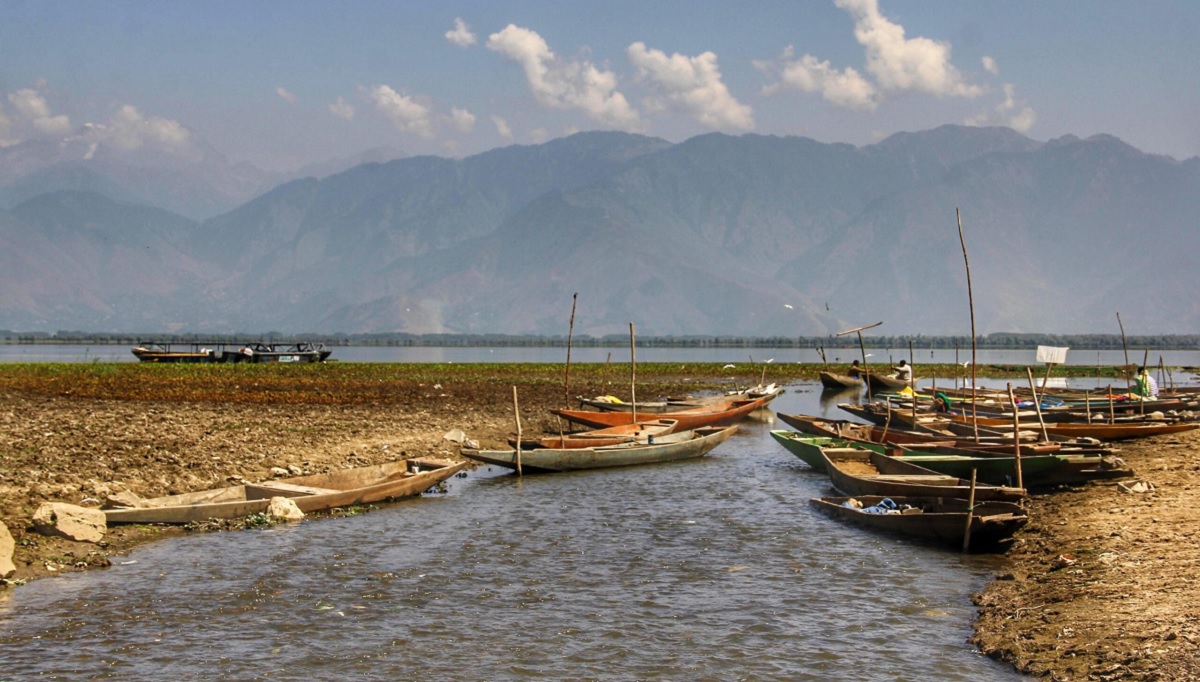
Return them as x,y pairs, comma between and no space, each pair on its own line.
1147,387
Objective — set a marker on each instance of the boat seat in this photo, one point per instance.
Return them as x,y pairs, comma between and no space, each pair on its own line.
266,489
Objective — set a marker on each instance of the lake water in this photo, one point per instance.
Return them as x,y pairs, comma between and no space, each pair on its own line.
1108,358
712,569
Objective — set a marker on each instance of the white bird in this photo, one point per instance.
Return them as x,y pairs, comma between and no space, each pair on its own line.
788,306
729,366
770,361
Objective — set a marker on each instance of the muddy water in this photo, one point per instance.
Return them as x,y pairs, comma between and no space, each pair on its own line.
714,569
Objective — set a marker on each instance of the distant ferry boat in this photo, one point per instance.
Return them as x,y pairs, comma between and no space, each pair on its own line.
149,351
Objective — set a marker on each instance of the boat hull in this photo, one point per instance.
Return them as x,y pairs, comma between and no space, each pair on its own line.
318,492
673,447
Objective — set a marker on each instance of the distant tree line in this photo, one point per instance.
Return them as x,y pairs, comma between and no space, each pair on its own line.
998,340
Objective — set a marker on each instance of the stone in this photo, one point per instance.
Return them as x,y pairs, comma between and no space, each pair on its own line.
7,547
284,508
70,521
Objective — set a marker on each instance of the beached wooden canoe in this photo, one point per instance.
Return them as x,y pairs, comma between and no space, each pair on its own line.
878,474
317,492
676,446
612,404
1097,430
1037,470
935,519
722,414
640,432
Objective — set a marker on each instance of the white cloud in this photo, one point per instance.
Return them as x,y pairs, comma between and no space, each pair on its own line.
1010,113
460,35
502,127
129,129
406,113
342,109
990,65
5,126
565,84
844,88
902,64
285,95
895,65
31,108
462,119
691,84
539,135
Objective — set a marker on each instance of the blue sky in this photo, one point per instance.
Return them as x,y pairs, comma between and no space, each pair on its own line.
282,84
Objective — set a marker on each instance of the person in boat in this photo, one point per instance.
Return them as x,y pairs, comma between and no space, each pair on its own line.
903,371
1146,387
855,370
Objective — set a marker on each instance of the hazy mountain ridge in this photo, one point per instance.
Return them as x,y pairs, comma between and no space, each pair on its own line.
751,235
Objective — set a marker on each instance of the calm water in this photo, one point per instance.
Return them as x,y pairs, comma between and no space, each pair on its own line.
740,356
714,569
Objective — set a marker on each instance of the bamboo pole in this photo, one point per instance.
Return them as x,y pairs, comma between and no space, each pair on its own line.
632,373
863,350
970,514
570,336
971,301
517,415
1111,417
1017,436
1037,404
1124,347
1087,402
912,374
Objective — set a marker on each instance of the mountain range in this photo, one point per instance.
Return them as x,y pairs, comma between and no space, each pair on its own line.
716,235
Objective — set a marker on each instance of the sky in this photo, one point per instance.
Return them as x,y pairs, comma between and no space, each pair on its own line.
285,84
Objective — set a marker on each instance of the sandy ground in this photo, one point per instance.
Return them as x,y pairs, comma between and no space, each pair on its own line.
1100,585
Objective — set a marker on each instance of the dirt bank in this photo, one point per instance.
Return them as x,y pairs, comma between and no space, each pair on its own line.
1099,585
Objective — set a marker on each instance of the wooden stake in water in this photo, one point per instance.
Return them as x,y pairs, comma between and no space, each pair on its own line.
570,335
632,373
971,302
970,514
517,414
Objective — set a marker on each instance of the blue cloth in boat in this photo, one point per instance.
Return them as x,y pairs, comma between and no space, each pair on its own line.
885,506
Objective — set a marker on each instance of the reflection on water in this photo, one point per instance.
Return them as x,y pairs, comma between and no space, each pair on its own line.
713,569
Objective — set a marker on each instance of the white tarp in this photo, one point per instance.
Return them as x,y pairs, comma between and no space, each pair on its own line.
1052,355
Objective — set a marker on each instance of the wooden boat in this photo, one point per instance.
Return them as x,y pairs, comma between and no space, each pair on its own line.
858,471
991,441
884,382
1037,470
833,380
1099,431
722,414
150,351
317,492
676,446
935,519
270,352
641,432
612,404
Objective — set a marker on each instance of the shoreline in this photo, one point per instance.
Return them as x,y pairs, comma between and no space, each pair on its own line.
1097,586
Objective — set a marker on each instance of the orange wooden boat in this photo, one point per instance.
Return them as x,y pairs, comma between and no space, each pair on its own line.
722,414
641,432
